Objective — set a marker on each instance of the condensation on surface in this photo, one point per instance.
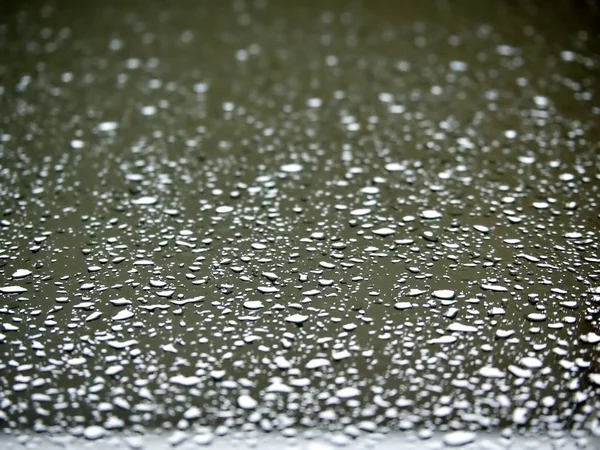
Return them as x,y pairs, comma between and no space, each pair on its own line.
364,219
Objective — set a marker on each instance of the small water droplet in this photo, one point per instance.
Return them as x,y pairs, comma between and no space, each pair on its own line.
247,402
459,438
94,432
291,168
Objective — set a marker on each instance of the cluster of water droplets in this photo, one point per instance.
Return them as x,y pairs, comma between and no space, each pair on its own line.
362,261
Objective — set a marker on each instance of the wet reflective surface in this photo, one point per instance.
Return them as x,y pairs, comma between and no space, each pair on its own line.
337,224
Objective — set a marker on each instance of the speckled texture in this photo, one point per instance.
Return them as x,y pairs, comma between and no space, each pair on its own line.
351,219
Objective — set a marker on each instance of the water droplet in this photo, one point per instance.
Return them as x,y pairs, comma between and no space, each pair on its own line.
108,126
253,304
566,177
291,168
316,363
347,392
247,402
77,143
527,159
149,110
296,318
491,372
459,438
384,231
224,209
444,294
595,378
193,412
448,339
21,273
370,190
282,363
123,315
185,381
519,372
113,370
93,316
12,289
462,328
343,354
147,200
573,235
403,305
531,363
170,348
94,432
536,317
431,214
360,212
267,289
519,415
482,229
395,167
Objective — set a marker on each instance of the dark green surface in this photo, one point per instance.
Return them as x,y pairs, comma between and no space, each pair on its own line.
490,110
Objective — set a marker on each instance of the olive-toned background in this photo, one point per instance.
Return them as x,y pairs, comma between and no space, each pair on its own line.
485,112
